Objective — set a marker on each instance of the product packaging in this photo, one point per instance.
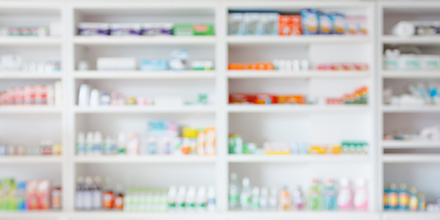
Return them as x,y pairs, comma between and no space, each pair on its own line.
309,21
252,24
178,59
125,29
157,29
289,25
236,24
339,23
325,23
93,29
154,65
269,23
202,65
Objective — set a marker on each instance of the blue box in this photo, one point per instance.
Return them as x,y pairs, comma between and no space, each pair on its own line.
154,65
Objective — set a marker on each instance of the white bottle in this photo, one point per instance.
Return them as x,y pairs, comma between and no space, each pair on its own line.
121,143
79,205
172,194
83,95
97,194
190,200
81,144
304,65
87,194
234,193
264,198
109,146
288,65
97,143
295,65
273,199
89,143
202,200
95,98
255,198
211,199
245,196
180,199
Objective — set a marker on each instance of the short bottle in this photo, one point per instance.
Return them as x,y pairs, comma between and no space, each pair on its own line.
255,198
121,143
345,197
89,143
180,199
422,202
202,199
79,204
171,198
264,198
97,193
108,195
97,143
118,203
273,199
88,194
361,196
81,144
245,196
190,200
212,204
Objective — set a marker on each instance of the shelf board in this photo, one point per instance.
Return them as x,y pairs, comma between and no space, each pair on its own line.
30,41
144,109
31,215
300,74
144,215
337,215
410,109
411,158
299,39
410,144
390,215
104,159
144,40
248,108
297,158
410,74
30,159
30,109
390,39
144,74
28,75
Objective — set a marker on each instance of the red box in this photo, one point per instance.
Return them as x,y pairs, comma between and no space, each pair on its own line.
239,98
289,25
263,98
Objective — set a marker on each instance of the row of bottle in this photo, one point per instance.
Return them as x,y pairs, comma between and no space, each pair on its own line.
174,199
319,197
403,199
92,195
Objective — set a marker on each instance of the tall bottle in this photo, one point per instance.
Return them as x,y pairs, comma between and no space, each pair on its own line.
422,202
273,199
285,203
87,194
79,204
314,202
89,143
264,198
386,190
345,196
330,195
107,196
212,204
180,199
190,200
118,203
172,194
255,198
298,199
361,196
97,143
97,194
234,192
245,196
202,199
403,197
413,199
121,143
393,197
81,144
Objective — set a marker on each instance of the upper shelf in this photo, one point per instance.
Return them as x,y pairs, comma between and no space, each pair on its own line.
329,158
410,144
413,158
390,39
106,159
300,39
410,109
28,75
410,74
300,74
145,109
30,159
30,41
24,109
140,40
144,74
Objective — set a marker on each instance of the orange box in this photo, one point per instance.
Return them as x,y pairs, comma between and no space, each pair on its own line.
237,66
289,25
291,99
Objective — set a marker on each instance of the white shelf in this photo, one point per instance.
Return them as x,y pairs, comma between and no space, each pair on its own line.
390,215
411,158
142,40
30,109
410,74
298,158
144,215
410,144
30,41
30,159
300,39
248,108
27,75
337,215
410,109
301,74
144,159
390,39
144,74
145,109
31,215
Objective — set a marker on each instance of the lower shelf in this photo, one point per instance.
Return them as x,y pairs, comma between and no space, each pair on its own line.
408,158
350,158
145,159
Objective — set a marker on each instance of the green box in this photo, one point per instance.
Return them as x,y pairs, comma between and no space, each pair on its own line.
193,30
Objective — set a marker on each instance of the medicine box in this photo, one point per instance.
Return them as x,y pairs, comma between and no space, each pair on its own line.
155,29
125,29
236,23
309,21
252,24
154,65
93,29
269,23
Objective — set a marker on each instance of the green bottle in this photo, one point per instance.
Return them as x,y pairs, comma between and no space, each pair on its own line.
314,202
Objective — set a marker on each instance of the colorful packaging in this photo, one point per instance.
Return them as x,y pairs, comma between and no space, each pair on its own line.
183,30
403,198
252,24
262,98
325,23
237,66
178,59
309,21
203,29
393,197
289,25
330,195
157,29
236,23
291,99
202,65
339,23
413,200
154,65
269,23
21,196
239,98
93,29
235,144
125,29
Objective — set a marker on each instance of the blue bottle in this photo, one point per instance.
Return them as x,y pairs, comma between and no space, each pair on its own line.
21,196
330,195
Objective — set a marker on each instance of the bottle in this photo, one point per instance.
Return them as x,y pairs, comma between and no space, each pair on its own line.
107,196
57,198
81,144
172,194
180,199
190,200
273,199
202,199
255,198
285,200
298,199
403,197
79,204
133,144
264,198
211,199
97,194
330,195
121,143
386,190
393,197
87,194
21,197
245,196
413,200
233,192
422,202
344,196
97,143
118,203
109,146
89,143
361,196
314,202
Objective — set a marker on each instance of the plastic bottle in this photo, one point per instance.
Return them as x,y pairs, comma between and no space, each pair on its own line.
403,197
264,198
89,143
121,143
133,144
212,204
79,204
97,143
255,198
330,195
413,200
273,199
314,203
109,146
172,194
118,203
180,199
81,144
191,199
393,197
107,195
422,202
298,199
361,196
245,196
234,194
87,194
202,199
345,196
386,190
97,193
285,203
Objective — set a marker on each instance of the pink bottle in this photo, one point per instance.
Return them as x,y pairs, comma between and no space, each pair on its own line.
345,196
361,196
